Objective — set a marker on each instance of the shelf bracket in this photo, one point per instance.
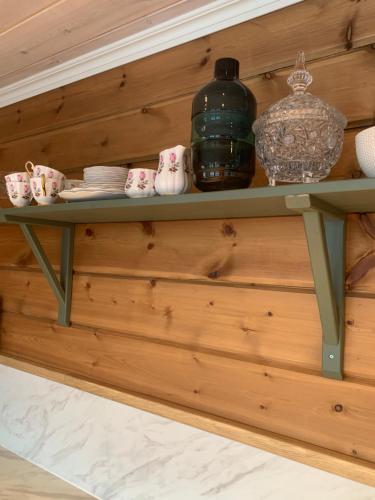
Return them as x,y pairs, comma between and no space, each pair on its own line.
62,285
325,234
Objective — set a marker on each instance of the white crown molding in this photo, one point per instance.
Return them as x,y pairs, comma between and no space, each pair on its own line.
212,17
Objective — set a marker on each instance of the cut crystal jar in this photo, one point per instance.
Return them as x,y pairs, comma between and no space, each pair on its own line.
299,138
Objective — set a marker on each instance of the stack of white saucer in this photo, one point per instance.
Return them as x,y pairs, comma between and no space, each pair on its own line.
111,179
99,183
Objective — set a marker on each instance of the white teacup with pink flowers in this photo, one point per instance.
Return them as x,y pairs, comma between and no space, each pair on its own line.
45,191
39,170
140,183
17,177
19,193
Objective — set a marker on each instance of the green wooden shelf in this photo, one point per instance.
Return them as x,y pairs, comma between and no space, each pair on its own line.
347,196
323,207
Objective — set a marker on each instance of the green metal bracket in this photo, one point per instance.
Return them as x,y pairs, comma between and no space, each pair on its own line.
62,288
325,233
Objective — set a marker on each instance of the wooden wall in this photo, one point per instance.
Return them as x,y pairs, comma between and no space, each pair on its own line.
216,316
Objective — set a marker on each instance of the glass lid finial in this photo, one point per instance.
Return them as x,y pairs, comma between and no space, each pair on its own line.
300,78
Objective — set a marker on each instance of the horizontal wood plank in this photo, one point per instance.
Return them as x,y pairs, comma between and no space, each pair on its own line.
263,397
270,327
249,251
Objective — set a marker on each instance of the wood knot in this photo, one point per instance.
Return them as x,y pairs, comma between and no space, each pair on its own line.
263,407
150,246
89,232
213,275
246,329
228,230
59,107
269,313
268,76
338,408
152,283
104,142
204,61
144,110
148,228
350,322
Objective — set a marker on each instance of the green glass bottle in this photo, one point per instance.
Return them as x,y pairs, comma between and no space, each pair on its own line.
222,140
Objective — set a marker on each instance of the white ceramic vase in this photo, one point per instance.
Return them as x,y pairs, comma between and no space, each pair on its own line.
174,175
365,150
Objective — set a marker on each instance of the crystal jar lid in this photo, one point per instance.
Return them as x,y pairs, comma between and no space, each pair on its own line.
300,104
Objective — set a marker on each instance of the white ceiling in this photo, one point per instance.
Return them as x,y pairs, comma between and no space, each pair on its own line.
39,34
48,43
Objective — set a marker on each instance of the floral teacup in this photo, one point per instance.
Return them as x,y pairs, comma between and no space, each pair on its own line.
19,193
140,183
39,170
46,191
17,177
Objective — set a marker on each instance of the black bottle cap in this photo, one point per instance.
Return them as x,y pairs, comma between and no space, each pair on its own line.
227,69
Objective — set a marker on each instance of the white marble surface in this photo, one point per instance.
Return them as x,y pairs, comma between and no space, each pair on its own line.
119,453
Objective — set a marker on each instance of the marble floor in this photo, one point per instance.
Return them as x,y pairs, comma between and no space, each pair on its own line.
117,452
21,480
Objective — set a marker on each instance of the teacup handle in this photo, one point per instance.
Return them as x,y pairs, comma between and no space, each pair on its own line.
32,168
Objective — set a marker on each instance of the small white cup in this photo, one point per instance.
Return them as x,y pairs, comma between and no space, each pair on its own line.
39,170
45,191
140,183
17,177
19,193
365,150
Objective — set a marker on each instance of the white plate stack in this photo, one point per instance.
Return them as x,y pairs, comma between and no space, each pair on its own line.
99,183
107,178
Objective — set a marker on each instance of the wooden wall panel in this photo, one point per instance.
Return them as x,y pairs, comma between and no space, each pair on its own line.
247,251
264,397
280,328
117,137
218,316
